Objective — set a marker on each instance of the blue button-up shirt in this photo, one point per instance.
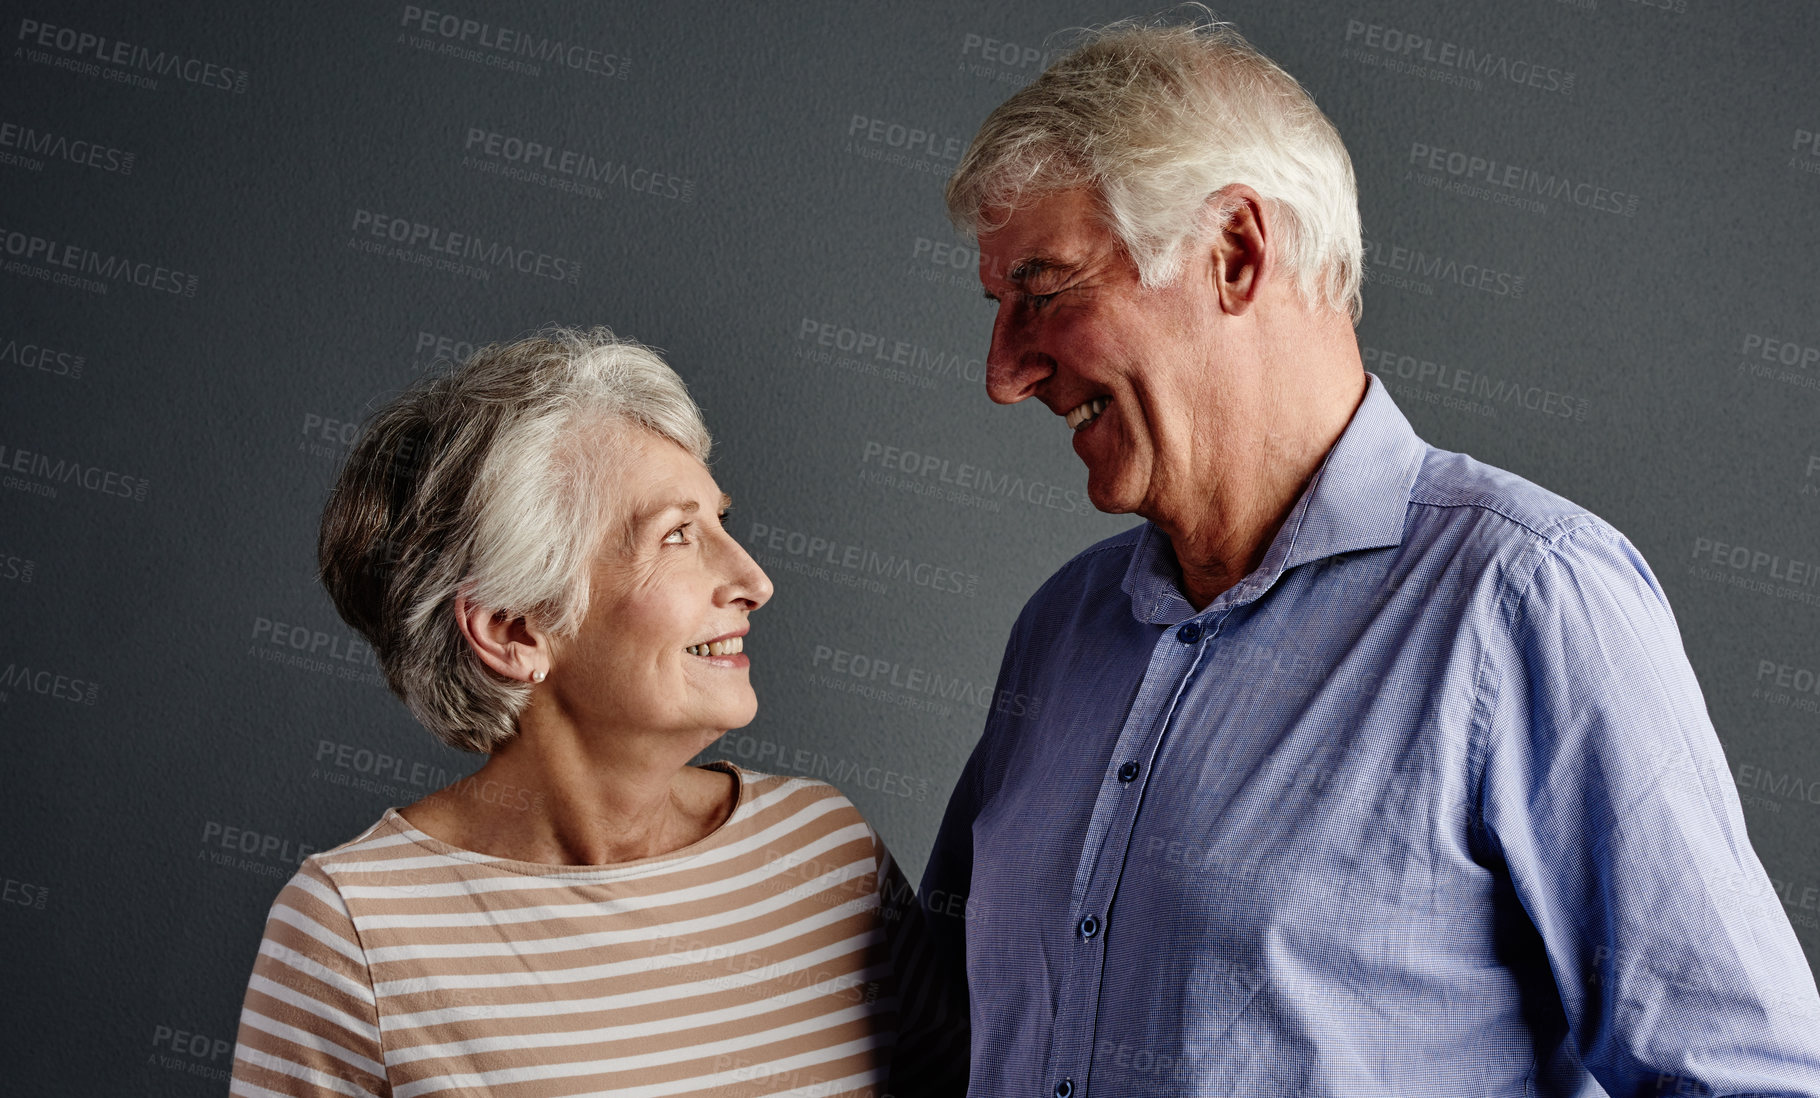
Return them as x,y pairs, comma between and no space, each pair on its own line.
1428,804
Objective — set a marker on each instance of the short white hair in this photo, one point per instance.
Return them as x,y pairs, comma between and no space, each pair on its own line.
491,481
1157,118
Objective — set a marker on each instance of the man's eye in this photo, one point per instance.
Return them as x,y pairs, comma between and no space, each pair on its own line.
1038,301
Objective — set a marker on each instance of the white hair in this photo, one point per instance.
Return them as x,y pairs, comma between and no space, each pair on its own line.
1156,119
492,481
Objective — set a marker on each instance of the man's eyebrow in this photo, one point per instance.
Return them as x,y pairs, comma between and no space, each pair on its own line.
1026,269
1030,267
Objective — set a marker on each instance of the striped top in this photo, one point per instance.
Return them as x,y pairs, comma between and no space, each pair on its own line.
753,962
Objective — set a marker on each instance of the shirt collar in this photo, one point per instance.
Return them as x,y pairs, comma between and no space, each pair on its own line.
1358,499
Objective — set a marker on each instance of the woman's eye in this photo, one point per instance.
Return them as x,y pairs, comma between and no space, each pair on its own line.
678,536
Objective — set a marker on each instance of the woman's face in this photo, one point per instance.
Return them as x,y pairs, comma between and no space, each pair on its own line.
661,648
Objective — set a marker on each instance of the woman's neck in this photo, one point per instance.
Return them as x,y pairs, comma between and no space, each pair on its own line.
552,796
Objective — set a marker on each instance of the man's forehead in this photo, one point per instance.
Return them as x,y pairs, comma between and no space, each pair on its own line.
1055,234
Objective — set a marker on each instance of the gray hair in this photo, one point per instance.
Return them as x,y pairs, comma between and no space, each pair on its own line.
488,481
1156,119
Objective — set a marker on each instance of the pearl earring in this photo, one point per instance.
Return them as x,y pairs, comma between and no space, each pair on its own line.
537,676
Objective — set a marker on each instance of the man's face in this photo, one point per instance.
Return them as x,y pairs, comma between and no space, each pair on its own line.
1077,330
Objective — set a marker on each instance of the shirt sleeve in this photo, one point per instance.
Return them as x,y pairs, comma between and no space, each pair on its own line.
1606,794
930,1060
943,904
310,1023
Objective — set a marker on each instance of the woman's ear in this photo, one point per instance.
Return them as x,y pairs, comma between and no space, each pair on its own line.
510,646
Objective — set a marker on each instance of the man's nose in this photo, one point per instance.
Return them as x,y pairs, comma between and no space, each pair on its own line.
1014,366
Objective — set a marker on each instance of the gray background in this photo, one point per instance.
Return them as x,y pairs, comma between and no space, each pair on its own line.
171,753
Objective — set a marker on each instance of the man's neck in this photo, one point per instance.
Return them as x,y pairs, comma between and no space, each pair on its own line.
1223,536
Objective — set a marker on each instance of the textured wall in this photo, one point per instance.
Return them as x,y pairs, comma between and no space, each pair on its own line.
227,231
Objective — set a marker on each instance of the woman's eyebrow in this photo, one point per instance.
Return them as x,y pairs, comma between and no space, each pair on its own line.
644,516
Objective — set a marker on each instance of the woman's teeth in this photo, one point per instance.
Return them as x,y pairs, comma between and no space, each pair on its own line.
732,646
1087,413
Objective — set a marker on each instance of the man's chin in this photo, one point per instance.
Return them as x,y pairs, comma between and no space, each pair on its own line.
1110,496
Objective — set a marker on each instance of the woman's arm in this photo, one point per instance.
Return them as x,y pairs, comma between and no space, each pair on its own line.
310,1024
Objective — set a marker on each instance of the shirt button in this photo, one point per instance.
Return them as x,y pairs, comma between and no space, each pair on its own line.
1064,1088
1189,633
1090,926
1128,772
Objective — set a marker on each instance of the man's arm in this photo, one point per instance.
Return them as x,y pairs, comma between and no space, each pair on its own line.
929,956
1606,792
940,1033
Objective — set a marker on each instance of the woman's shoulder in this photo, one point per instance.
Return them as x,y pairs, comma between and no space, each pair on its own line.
379,849
778,803
761,783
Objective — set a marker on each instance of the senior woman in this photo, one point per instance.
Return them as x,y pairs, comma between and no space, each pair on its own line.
534,547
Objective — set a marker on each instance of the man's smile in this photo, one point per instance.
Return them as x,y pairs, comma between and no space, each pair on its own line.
1087,412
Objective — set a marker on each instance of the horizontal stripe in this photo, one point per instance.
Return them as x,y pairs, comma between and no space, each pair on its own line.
756,963
588,908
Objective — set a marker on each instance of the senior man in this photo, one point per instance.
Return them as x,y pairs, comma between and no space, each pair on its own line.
1362,767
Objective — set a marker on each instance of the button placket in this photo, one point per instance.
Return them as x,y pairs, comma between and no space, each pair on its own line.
1174,662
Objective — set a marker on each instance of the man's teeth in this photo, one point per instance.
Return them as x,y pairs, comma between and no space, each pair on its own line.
732,646
1087,413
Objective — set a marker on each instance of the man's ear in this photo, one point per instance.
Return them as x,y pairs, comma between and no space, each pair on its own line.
510,646
1241,251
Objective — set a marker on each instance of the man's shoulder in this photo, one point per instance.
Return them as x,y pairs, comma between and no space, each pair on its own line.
1455,488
